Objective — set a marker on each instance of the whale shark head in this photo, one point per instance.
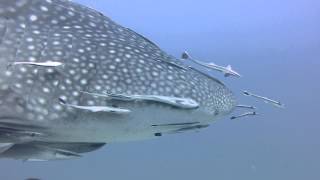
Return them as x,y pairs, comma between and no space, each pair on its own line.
74,69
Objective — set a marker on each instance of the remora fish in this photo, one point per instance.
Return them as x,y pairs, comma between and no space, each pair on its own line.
265,99
228,71
44,114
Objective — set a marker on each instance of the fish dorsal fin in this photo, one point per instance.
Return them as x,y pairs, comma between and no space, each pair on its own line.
229,67
185,55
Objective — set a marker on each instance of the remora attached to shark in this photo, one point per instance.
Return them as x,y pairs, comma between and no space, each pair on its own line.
72,80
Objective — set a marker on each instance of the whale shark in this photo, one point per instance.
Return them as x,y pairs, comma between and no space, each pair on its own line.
72,81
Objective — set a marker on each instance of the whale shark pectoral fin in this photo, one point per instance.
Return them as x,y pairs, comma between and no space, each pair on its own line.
42,153
5,146
31,152
47,151
74,147
60,153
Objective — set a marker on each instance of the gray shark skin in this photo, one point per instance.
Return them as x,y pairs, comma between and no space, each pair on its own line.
59,61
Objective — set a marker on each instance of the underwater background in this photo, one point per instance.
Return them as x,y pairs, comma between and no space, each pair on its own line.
274,44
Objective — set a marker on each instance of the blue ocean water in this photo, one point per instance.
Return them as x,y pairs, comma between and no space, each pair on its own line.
274,44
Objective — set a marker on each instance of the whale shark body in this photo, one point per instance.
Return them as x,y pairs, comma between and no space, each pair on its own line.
72,80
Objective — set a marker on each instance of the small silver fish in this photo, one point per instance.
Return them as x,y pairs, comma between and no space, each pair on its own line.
178,102
228,71
244,115
97,108
43,64
245,106
265,99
